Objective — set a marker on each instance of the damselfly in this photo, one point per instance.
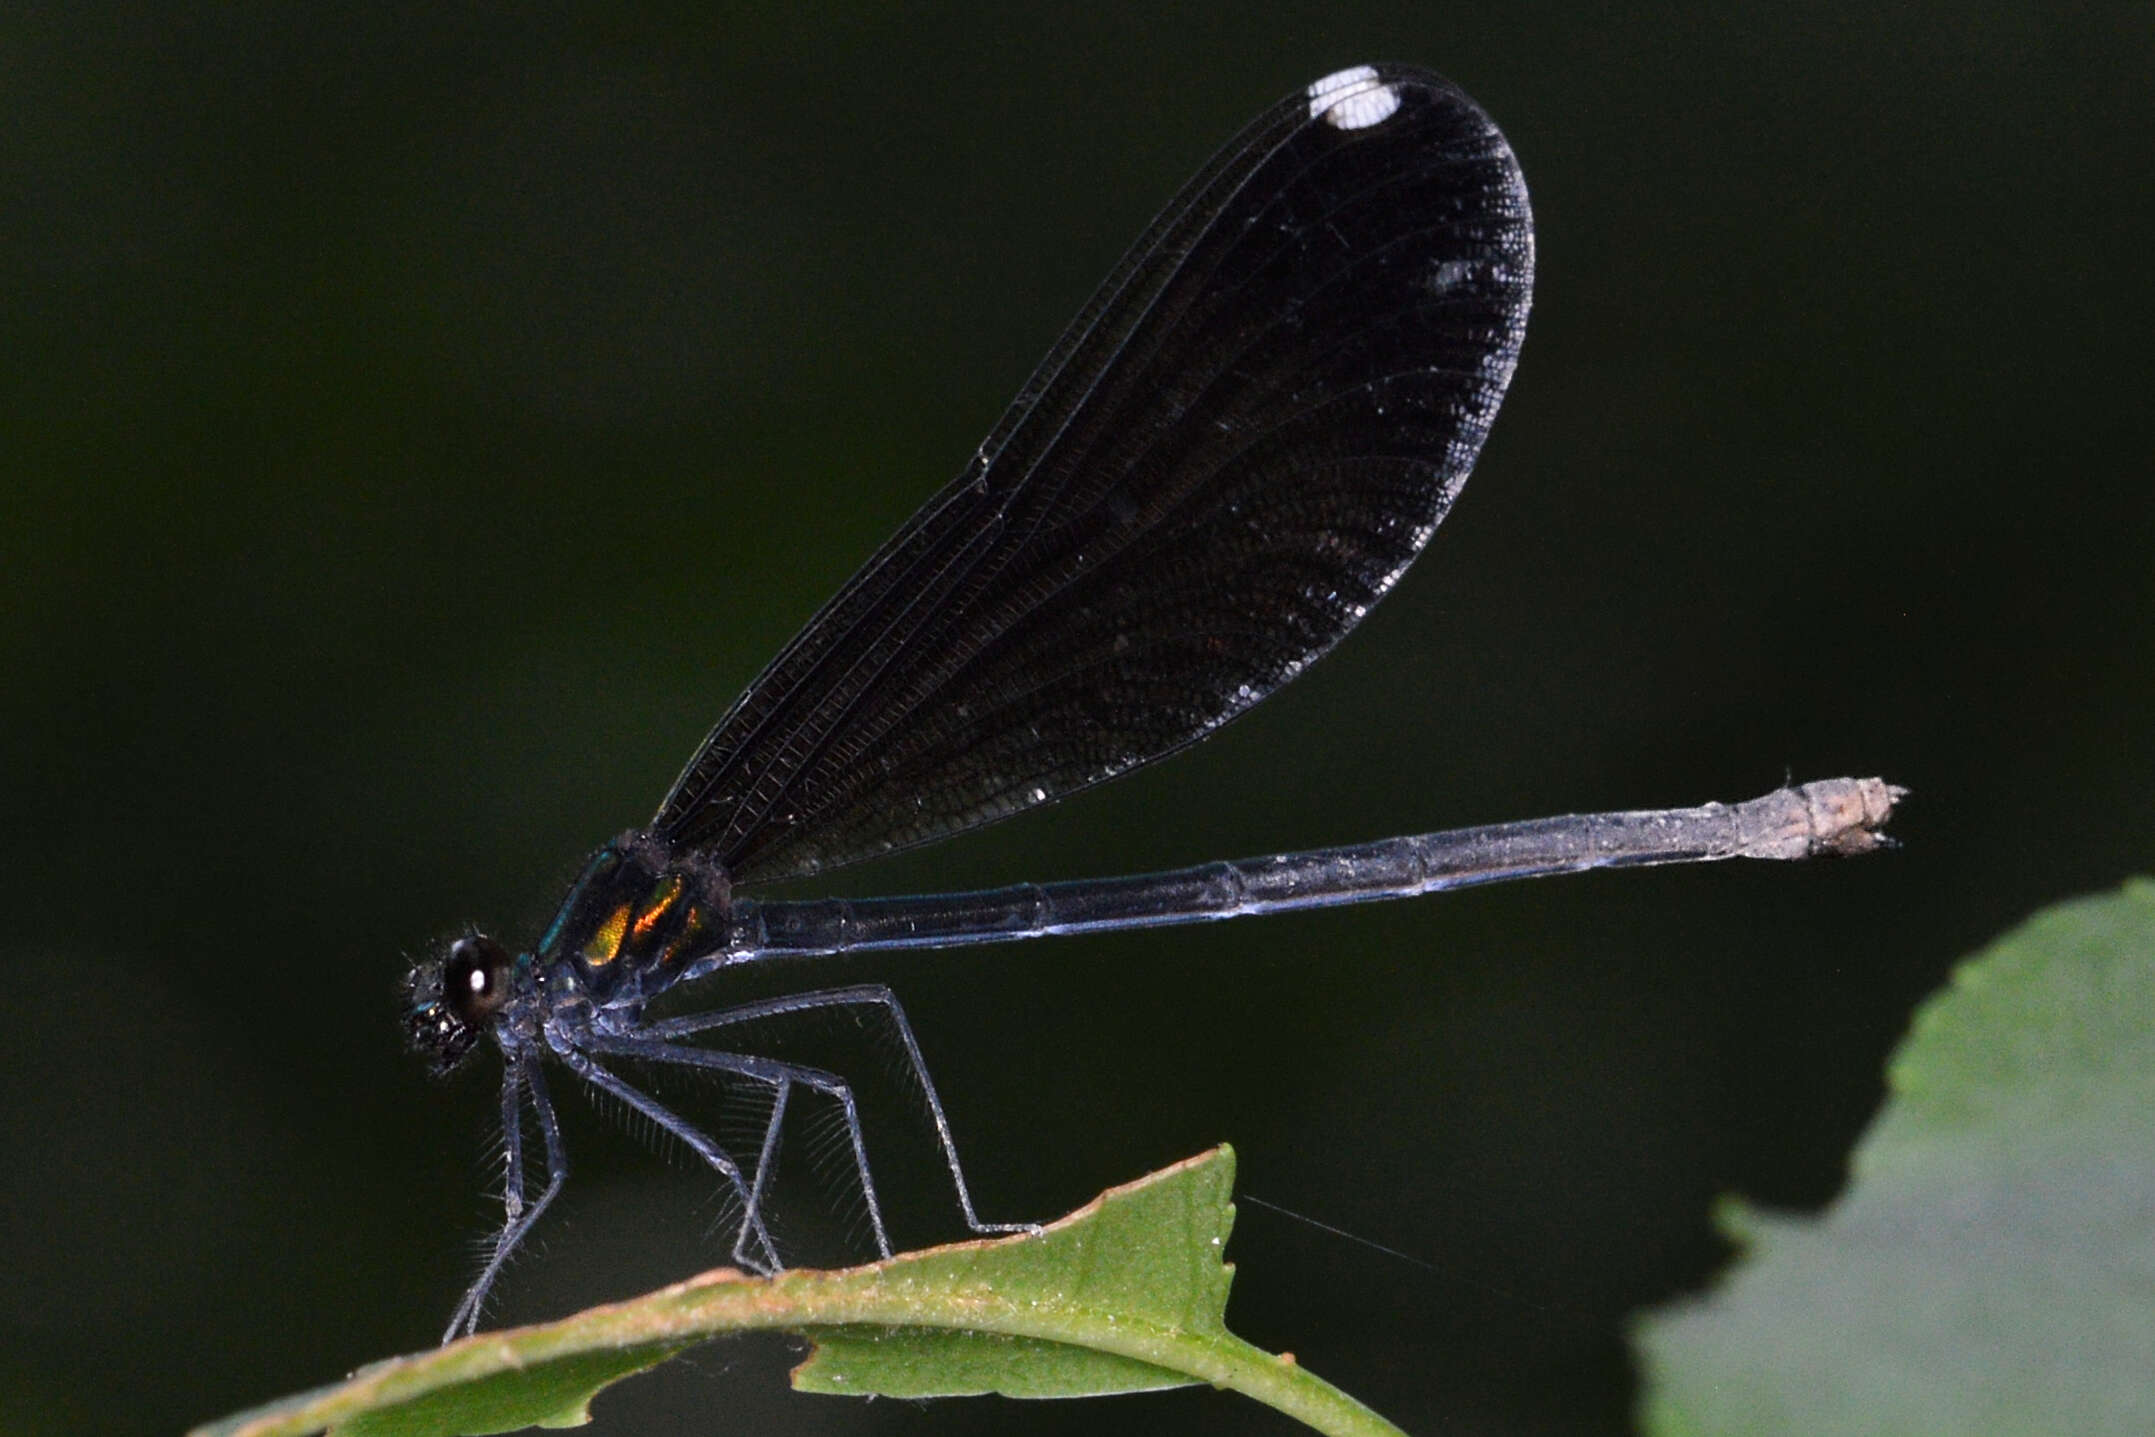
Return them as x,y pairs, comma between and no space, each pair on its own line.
1235,450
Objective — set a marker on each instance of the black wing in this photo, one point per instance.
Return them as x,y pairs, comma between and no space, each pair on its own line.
1233,452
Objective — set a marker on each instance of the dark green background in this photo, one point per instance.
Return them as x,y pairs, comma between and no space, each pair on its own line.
419,421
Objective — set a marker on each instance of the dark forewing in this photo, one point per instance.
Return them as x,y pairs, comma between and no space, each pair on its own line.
1236,448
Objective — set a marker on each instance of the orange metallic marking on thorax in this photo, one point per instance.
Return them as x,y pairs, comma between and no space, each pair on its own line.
692,923
669,893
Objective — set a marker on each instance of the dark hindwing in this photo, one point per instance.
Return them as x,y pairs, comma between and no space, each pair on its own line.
1232,453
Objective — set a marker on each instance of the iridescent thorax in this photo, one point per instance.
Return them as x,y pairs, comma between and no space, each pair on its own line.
635,915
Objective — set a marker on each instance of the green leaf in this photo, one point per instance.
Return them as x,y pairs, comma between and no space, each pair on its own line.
1135,1268
550,1394
1128,1293
1991,1267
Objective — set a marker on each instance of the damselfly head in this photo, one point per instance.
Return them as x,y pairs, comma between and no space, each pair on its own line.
453,997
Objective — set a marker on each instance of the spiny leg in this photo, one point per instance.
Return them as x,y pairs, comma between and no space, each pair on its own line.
752,1226
767,1157
874,995
781,1076
518,1077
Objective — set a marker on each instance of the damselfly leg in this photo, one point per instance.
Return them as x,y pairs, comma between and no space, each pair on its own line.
859,995
519,1079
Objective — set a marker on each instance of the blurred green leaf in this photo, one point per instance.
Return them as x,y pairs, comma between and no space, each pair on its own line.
1991,1267
1127,1294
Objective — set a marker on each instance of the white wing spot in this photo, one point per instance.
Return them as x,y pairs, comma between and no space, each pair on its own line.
1352,99
1450,275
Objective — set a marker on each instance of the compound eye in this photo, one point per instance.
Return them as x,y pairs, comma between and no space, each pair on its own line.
475,980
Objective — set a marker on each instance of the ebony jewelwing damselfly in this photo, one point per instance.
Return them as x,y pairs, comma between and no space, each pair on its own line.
1236,449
